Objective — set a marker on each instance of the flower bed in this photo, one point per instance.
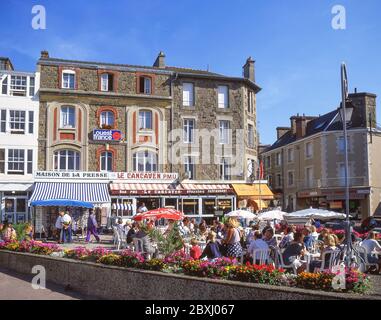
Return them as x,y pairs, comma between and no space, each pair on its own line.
222,268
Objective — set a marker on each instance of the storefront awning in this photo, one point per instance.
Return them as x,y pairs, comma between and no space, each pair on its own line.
253,191
87,192
62,203
199,188
144,188
18,187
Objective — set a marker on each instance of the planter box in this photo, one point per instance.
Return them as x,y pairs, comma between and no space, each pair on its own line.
108,282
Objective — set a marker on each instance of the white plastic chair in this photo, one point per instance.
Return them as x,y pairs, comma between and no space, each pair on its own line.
334,259
279,263
262,256
362,251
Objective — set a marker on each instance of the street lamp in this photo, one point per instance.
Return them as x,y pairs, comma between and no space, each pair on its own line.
346,115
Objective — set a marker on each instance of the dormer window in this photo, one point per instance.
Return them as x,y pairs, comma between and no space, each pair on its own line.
107,82
145,85
68,79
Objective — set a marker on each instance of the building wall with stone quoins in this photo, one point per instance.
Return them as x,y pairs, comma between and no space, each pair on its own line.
125,102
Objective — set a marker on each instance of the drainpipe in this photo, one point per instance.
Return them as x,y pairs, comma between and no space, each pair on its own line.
171,120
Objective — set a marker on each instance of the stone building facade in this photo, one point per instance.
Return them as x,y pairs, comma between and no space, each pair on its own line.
71,91
305,166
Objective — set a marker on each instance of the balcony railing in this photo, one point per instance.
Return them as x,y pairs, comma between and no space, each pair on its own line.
332,183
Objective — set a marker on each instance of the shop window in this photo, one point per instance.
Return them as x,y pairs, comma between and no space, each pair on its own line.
107,119
145,161
190,206
66,160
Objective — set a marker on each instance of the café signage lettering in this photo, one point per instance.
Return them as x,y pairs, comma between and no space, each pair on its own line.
106,135
86,175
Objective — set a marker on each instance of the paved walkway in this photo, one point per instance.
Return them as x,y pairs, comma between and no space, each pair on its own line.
15,286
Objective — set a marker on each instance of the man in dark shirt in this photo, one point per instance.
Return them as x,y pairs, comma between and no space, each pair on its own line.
294,249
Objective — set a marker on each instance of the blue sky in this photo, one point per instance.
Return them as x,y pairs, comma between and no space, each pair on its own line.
297,52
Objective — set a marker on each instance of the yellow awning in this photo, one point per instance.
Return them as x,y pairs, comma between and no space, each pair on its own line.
260,204
253,191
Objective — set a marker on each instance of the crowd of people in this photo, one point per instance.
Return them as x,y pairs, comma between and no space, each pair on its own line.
8,232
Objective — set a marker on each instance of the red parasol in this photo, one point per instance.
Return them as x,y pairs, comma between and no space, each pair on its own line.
166,213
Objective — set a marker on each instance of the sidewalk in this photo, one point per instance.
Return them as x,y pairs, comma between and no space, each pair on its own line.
15,286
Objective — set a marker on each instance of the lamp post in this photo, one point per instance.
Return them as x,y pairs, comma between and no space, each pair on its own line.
346,114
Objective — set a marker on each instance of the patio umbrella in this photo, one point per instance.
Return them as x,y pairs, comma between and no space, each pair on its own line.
245,214
316,214
271,215
165,213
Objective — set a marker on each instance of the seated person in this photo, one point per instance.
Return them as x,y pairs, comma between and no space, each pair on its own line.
268,237
329,245
308,240
195,251
371,246
212,249
293,252
288,236
255,244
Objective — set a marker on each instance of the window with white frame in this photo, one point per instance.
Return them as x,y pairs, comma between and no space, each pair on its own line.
66,160
188,130
145,161
31,86
68,79
145,120
145,84
290,155
107,80
67,117
250,135
189,167
107,119
225,169
18,86
17,121
278,159
106,161
223,97
16,161
29,162
188,94
224,131
309,150
290,178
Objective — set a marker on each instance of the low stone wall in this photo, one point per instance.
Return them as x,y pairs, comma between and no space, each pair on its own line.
108,282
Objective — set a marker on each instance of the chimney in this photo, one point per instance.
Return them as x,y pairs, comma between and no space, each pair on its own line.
160,60
44,54
248,69
364,113
281,131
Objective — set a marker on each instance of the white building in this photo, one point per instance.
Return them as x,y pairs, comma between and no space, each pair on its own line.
19,105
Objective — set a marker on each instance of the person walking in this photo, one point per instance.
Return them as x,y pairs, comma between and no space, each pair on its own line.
66,230
92,226
59,226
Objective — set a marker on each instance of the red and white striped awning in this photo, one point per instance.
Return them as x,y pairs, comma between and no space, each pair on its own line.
202,188
144,188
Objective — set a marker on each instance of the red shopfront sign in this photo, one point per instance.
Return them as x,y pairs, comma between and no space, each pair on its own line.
168,189
358,194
